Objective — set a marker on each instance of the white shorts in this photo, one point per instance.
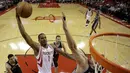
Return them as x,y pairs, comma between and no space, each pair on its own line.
88,17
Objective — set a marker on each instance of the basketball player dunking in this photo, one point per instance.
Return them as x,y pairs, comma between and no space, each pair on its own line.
59,45
84,65
88,15
42,51
95,22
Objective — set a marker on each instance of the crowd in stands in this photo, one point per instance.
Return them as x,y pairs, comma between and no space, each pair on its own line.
117,8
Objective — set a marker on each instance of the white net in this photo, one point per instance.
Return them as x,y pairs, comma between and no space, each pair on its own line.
114,48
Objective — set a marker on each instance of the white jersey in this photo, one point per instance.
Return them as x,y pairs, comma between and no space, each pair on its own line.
44,59
88,15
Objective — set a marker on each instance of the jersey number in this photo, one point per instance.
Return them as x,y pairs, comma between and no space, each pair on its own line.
49,58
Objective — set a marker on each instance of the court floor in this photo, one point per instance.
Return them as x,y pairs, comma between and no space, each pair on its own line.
12,42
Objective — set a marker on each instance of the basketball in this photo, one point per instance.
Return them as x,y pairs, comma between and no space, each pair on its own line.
24,9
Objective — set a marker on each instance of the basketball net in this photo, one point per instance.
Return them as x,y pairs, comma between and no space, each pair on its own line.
107,59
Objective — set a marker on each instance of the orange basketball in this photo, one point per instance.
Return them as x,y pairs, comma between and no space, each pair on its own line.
24,9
